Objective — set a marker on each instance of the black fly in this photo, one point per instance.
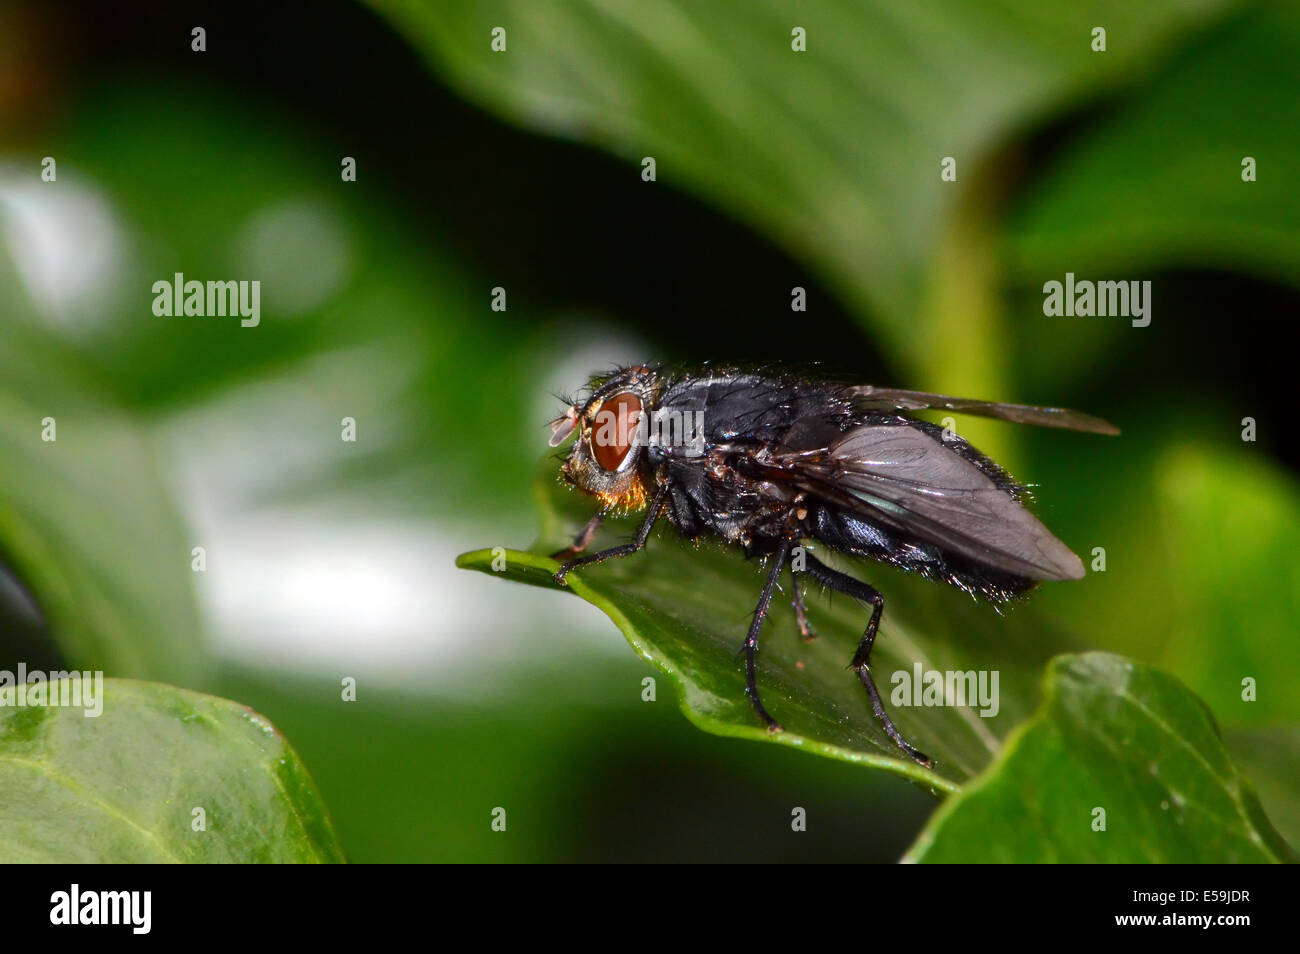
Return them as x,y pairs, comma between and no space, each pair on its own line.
765,460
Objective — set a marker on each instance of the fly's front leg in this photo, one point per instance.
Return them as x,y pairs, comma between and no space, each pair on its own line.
638,542
582,539
862,658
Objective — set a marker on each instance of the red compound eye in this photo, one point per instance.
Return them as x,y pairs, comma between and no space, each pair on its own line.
614,429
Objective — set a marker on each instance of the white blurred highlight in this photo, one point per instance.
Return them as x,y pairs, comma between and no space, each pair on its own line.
335,587
299,251
66,243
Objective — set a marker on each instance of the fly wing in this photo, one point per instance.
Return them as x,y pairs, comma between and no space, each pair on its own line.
903,477
868,397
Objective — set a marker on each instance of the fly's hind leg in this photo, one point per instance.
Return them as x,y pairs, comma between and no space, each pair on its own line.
862,658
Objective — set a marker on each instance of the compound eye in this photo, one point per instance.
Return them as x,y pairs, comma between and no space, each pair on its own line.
614,429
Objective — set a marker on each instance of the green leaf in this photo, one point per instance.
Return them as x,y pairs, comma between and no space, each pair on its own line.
1269,757
86,523
1200,582
685,609
1201,579
834,152
1230,521
123,786
1117,736
1159,183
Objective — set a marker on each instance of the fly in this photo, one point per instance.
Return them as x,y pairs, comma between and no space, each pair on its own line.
765,459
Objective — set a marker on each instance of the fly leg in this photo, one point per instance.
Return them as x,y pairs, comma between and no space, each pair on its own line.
582,539
750,646
862,658
800,608
638,542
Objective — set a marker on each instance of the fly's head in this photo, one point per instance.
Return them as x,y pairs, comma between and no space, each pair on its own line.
607,457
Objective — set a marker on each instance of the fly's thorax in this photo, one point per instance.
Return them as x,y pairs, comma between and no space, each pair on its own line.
722,493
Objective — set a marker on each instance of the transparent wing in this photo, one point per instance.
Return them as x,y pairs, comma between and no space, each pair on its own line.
902,477
892,399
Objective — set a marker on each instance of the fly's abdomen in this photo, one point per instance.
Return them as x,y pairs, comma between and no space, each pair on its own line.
852,534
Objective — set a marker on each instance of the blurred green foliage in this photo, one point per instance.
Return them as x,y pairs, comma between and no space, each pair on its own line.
1121,164
585,770
1158,181
73,505
835,151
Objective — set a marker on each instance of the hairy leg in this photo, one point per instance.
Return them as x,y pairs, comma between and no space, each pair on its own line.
638,542
862,658
750,646
800,607
582,539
